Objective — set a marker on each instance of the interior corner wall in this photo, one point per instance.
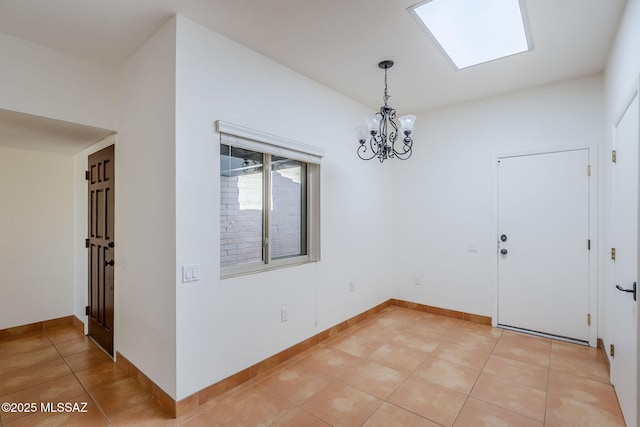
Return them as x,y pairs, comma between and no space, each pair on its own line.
145,204
45,82
36,225
623,65
225,326
620,80
81,228
443,196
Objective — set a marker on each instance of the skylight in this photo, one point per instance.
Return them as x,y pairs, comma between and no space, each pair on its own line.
472,32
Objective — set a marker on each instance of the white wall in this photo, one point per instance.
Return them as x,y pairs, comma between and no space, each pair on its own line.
620,78
36,236
443,194
225,326
623,65
49,83
145,204
41,81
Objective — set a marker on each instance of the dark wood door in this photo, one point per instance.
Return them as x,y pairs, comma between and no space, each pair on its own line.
101,247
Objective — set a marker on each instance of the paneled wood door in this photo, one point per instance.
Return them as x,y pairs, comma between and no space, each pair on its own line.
101,246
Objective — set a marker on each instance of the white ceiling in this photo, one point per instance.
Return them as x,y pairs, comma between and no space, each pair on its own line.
335,42
19,130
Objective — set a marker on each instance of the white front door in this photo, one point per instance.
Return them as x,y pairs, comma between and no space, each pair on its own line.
543,238
623,364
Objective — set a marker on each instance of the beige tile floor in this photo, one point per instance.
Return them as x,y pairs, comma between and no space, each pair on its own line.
399,368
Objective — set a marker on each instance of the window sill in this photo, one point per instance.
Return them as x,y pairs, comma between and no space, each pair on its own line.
253,268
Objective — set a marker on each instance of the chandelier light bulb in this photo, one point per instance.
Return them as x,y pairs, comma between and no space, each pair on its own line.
407,123
362,133
373,123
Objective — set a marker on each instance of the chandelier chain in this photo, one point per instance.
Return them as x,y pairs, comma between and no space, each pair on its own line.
386,93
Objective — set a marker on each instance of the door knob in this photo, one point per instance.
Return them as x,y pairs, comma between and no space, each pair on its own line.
111,244
110,262
632,290
504,251
503,238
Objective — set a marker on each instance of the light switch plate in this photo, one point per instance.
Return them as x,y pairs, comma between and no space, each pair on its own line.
190,273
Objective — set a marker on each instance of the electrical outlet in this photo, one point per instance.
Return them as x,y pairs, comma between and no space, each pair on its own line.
418,280
284,314
352,286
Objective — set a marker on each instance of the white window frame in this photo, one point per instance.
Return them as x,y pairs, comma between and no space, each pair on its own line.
242,137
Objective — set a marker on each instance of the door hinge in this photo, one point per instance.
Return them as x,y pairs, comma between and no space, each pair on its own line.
613,254
612,350
588,170
86,175
589,319
87,310
614,157
86,243
588,244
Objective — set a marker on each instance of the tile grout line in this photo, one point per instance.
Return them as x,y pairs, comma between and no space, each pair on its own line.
546,397
429,355
76,377
476,381
55,347
514,382
403,381
336,379
441,340
385,400
112,360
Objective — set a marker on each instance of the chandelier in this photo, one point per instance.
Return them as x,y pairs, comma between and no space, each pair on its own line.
382,141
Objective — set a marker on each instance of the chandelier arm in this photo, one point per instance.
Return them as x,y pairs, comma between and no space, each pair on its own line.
393,135
362,149
381,150
375,142
375,145
405,153
402,156
382,153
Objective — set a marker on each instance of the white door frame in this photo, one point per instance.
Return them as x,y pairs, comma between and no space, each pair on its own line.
593,228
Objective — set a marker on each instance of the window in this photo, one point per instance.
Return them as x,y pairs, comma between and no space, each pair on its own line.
269,201
472,32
